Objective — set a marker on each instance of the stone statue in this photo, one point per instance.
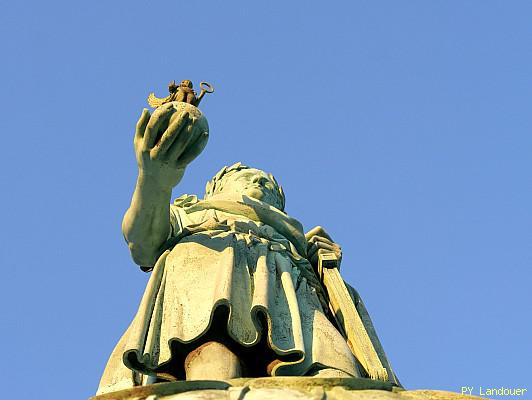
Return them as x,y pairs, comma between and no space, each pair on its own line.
235,288
182,93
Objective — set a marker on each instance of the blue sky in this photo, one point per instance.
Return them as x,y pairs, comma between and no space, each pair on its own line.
404,128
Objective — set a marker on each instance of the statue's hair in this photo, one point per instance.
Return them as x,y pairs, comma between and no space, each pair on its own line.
215,185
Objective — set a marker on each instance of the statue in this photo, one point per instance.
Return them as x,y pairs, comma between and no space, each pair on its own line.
236,287
182,93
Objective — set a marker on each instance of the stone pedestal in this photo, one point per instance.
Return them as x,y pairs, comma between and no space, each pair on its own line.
283,388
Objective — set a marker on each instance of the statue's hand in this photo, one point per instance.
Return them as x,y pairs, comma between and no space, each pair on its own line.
320,242
166,142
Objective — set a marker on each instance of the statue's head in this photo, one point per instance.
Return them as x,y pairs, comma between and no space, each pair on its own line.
186,83
239,179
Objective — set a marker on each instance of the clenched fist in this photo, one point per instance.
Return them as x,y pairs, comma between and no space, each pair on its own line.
320,242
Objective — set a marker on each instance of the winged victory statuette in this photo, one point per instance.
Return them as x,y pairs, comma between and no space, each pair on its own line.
182,92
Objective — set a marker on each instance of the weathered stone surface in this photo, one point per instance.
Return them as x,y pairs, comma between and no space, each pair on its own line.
285,388
201,395
434,395
233,289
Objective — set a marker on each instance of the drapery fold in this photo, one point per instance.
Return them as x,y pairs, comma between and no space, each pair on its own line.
226,257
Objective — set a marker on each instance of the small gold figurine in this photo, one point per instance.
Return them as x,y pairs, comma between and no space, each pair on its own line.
182,92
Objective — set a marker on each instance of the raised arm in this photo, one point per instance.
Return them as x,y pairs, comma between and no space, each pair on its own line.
165,143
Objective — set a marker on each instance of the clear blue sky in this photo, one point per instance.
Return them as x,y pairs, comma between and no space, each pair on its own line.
403,127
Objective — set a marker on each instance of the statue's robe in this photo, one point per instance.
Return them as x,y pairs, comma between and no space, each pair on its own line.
234,272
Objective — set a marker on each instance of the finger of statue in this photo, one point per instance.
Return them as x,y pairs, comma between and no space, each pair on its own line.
323,246
313,248
169,136
323,239
193,150
326,246
159,117
181,137
326,243
165,107
317,231
141,124
183,141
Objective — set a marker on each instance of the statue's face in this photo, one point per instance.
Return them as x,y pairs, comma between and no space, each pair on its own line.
253,183
186,83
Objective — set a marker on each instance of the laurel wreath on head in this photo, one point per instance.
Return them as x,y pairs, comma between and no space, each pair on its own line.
215,185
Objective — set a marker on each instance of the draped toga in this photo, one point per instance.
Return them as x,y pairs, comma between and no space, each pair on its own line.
236,272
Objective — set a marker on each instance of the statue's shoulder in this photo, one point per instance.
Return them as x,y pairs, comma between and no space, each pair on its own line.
181,213
186,200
